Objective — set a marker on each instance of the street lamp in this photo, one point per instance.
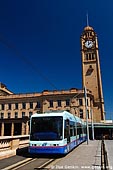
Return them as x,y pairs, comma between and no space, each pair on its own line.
85,96
92,125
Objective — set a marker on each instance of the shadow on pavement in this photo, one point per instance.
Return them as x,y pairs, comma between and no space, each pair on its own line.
24,153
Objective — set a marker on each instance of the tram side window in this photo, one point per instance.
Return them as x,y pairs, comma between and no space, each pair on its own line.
69,129
72,130
66,129
84,129
79,130
75,131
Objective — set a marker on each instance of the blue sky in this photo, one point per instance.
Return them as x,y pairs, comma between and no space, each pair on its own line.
40,44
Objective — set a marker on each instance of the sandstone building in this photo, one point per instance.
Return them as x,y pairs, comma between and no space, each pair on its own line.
16,109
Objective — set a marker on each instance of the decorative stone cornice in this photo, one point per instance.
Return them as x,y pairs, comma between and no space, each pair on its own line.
4,91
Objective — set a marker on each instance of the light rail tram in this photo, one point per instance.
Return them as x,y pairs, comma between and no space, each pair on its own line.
55,132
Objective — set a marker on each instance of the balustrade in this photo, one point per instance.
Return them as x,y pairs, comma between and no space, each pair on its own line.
12,143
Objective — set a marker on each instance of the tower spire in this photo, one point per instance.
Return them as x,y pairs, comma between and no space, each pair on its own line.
87,17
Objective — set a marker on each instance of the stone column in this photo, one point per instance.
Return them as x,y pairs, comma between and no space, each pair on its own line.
23,128
12,129
27,128
2,129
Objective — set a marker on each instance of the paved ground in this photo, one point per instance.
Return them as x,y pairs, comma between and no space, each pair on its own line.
84,157
109,149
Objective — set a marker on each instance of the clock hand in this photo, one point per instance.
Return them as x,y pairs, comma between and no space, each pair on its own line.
89,42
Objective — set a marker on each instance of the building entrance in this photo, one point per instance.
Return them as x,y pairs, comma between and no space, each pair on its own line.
7,129
17,128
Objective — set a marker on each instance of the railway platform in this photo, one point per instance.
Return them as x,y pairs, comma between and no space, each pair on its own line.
84,157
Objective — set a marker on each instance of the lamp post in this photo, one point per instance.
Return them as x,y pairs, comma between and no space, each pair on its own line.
92,125
85,96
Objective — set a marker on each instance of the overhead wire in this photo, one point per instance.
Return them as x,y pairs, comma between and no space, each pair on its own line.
26,60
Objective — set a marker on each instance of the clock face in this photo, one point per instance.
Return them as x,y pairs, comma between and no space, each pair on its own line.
89,44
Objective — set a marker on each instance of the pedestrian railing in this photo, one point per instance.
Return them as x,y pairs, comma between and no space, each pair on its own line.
104,157
9,144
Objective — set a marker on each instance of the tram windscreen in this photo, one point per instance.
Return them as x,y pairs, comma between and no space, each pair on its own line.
46,128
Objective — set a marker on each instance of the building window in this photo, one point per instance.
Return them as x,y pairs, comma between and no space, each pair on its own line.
23,105
93,56
90,66
59,103
90,33
81,113
2,106
30,114
80,102
2,115
38,105
51,103
86,56
23,114
90,56
67,102
9,106
9,115
31,105
87,102
16,106
88,113
16,114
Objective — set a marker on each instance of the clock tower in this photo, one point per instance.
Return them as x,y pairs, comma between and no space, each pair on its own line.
91,74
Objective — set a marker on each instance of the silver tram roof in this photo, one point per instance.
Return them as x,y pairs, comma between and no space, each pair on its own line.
64,114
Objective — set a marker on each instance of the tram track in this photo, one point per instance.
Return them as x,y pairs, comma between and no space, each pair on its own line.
44,165
19,164
27,162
